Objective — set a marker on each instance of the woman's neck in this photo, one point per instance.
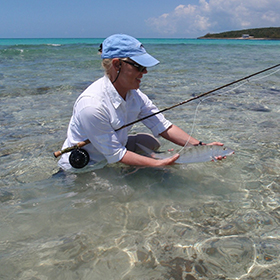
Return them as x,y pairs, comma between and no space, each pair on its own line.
122,91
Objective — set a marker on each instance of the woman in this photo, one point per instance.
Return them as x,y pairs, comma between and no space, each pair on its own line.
115,100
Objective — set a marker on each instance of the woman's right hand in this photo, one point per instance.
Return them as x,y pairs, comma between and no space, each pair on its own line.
168,161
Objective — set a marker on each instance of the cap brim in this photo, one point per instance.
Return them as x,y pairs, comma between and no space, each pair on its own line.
145,60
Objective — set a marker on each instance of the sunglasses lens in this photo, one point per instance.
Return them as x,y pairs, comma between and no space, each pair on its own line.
141,68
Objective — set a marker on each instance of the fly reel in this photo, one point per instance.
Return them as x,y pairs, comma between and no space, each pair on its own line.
79,158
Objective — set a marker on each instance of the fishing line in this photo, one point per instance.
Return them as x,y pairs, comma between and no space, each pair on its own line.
230,90
196,111
266,76
194,123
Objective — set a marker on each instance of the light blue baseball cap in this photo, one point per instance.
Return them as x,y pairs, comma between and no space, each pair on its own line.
122,46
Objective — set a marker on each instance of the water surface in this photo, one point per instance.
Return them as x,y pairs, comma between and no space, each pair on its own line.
214,220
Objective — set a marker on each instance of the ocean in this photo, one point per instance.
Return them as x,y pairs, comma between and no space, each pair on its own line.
212,220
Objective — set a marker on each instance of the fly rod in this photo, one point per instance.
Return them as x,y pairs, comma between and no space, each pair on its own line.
83,143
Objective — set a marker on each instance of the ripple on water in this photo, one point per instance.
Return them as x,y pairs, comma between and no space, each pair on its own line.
268,251
112,263
241,222
231,256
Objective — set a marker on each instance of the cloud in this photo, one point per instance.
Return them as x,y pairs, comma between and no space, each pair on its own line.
216,16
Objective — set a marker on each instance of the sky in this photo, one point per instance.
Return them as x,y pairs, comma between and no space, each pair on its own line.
141,19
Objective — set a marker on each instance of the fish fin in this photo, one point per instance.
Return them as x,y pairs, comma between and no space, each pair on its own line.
147,151
213,159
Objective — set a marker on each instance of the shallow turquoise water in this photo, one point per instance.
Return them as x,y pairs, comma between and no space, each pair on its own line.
216,220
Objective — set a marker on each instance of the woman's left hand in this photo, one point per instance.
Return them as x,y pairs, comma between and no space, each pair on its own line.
215,143
218,144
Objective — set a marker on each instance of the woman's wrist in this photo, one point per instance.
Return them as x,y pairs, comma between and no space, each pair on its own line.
200,143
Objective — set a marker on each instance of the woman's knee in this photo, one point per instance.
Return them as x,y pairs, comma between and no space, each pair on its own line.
144,139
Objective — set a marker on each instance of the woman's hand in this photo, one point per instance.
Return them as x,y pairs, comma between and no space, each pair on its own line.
218,144
168,161
215,143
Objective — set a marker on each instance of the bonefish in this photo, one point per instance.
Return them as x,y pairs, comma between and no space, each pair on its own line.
192,154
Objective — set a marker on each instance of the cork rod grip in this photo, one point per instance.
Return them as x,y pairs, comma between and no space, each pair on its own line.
69,149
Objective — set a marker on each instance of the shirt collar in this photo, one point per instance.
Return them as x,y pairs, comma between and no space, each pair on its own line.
115,98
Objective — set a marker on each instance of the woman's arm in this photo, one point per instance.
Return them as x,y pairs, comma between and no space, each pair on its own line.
132,158
180,137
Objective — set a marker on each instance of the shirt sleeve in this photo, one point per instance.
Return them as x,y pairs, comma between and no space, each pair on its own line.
96,123
157,124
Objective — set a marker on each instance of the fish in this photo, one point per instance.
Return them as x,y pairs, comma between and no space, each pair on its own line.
193,154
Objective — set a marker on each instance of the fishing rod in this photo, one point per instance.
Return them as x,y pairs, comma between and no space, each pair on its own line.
84,153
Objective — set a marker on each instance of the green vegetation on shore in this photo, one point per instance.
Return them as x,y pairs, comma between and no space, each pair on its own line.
272,33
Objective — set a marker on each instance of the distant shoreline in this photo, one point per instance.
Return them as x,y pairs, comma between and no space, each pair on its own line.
238,38
267,33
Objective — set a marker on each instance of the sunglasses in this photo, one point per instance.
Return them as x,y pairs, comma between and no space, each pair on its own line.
139,67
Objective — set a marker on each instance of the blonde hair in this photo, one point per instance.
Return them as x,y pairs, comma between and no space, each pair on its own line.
107,64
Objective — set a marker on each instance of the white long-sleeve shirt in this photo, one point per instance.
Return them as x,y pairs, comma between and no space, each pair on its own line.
98,112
